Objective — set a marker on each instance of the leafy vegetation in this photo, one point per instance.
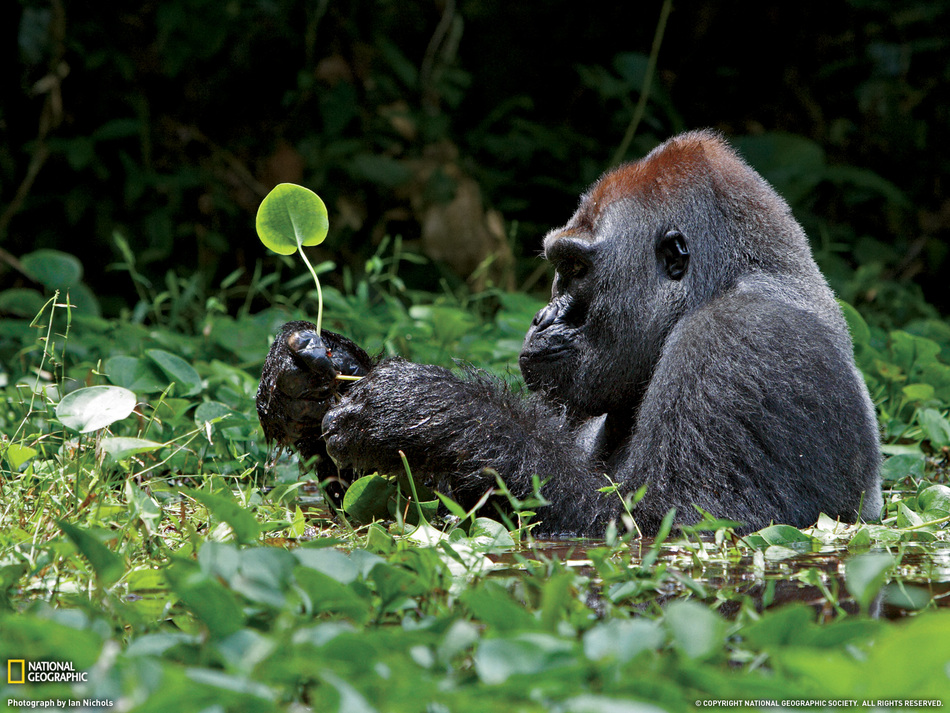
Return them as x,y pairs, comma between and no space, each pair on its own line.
145,540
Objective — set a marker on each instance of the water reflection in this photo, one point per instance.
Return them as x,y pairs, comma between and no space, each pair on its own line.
775,576
815,578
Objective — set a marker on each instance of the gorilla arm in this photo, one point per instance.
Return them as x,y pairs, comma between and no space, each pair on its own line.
754,414
452,429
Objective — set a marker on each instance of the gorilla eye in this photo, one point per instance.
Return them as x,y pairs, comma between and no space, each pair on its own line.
673,253
571,268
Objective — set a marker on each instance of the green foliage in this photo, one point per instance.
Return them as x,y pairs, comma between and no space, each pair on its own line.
908,373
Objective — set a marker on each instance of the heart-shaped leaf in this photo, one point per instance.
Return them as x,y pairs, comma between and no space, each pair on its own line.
291,216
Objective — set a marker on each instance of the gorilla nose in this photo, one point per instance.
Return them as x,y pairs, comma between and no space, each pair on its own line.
308,347
545,318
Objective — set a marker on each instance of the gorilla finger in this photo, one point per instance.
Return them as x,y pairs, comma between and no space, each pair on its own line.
308,411
301,384
309,350
347,356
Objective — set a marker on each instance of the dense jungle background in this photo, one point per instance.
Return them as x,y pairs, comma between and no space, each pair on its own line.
468,128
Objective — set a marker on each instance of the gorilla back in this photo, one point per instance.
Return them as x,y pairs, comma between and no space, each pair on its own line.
690,345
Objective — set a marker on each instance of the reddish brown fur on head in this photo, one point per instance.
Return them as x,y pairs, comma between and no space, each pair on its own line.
696,157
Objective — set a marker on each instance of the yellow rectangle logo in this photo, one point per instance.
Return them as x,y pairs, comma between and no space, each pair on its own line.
10,665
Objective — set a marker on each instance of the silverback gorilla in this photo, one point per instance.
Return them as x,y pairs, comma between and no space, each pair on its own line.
690,345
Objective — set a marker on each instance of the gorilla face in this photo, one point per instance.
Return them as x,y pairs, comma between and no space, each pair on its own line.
558,346
620,286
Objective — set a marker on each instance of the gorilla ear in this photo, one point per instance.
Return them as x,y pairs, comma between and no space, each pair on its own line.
673,254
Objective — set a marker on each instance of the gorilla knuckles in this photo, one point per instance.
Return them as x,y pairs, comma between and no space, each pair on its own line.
690,344
298,386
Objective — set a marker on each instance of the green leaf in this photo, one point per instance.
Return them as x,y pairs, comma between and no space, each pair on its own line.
177,370
291,216
901,466
865,575
907,517
21,302
909,351
918,392
138,375
793,164
53,269
782,626
17,455
453,507
861,540
867,180
395,585
242,522
330,562
496,660
141,504
488,534
936,427
107,565
211,412
906,596
367,499
622,639
94,407
264,576
209,600
935,499
326,594
696,631
382,170
39,638
783,536
350,700
860,333
122,448
492,605
891,372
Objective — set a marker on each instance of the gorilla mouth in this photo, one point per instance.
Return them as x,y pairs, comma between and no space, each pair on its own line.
546,356
551,354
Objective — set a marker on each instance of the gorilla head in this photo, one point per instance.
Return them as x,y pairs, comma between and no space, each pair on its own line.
652,241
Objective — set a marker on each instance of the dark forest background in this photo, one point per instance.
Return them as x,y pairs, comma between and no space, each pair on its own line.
467,127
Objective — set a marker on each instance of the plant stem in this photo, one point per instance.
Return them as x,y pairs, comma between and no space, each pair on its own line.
316,281
412,486
647,81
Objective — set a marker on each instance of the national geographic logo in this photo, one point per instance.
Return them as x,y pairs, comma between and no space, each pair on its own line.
23,671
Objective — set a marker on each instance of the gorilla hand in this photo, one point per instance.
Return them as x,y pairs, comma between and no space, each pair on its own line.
458,432
399,406
299,383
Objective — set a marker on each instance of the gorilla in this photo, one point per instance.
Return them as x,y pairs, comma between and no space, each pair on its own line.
691,346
